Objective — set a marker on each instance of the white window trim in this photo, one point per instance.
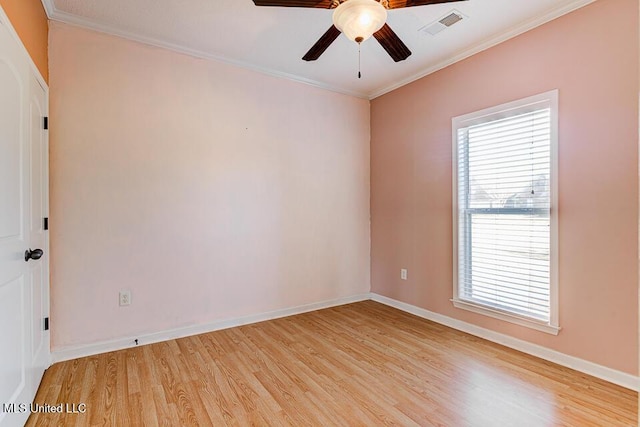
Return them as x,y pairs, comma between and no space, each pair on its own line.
547,98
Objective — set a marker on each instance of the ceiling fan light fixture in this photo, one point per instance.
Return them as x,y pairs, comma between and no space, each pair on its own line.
359,19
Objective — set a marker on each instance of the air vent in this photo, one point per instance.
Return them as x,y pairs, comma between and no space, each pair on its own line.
450,19
442,24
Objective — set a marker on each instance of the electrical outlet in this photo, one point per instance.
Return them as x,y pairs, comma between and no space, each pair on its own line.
403,274
125,298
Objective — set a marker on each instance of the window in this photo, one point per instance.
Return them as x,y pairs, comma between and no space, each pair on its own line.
504,216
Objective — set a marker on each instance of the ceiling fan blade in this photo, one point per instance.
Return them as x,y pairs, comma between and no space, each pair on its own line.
398,4
319,4
322,44
392,43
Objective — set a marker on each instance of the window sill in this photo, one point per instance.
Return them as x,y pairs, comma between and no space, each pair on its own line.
512,318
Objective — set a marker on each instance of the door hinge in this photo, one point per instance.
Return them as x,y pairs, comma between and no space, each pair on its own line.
45,123
46,323
45,223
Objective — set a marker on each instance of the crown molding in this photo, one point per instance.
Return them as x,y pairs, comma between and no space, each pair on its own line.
486,44
67,18
49,7
56,15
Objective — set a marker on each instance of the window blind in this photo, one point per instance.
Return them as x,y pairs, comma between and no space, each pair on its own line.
504,200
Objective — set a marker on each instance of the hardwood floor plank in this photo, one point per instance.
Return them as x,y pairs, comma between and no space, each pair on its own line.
166,414
150,413
359,364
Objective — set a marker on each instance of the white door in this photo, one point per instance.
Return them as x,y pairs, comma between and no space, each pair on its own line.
38,236
24,349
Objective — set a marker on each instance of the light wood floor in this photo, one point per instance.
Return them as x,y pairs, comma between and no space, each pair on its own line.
358,364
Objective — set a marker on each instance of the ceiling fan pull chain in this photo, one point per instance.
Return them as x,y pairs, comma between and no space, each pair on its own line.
359,75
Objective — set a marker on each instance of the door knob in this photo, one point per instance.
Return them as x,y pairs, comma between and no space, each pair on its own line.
32,254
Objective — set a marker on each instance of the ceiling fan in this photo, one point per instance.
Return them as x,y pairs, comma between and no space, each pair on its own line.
358,20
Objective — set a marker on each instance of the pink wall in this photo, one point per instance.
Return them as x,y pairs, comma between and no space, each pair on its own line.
211,192
595,68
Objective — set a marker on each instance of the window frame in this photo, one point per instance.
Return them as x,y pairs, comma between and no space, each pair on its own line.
544,100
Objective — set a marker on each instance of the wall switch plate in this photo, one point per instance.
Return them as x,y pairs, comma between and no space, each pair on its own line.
403,274
125,298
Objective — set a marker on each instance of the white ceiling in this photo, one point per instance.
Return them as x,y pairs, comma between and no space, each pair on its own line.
274,39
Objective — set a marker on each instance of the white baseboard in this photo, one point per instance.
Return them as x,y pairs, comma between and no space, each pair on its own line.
74,352
614,376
